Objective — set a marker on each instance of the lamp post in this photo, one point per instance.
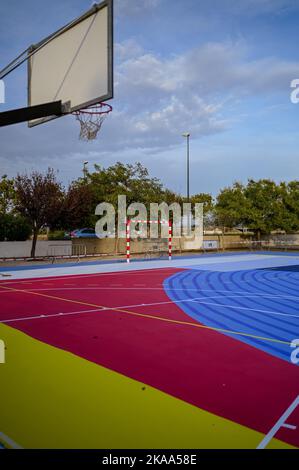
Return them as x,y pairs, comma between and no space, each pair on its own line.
187,135
85,170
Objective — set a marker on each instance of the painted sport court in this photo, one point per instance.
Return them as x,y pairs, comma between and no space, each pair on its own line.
192,353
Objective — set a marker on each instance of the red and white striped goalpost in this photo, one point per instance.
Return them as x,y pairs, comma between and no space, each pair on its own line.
128,234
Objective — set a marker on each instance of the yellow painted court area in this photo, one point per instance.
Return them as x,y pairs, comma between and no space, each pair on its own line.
53,399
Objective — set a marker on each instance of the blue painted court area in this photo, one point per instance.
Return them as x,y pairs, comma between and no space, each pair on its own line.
261,305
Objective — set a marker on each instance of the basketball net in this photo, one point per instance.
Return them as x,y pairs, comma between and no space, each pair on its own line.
91,120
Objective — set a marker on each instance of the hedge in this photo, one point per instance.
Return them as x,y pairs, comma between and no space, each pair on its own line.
56,235
14,228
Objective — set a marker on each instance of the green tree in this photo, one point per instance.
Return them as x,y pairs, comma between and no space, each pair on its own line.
120,179
290,200
169,197
265,206
133,181
206,200
14,227
7,195
231,206
262,206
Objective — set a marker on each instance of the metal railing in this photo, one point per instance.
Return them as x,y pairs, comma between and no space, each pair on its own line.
260,245
60,251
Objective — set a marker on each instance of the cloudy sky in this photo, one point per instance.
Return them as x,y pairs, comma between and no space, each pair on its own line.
220,69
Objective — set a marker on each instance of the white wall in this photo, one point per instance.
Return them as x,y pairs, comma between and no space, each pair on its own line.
43,248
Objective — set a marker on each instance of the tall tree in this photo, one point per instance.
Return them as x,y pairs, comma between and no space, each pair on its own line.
77,209
231,206
133,181
289,193
262,206
205,199
265,208
39,198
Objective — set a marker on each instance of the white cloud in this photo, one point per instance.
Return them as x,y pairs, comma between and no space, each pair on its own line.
127,50
130,7
206,70
156,99
255,7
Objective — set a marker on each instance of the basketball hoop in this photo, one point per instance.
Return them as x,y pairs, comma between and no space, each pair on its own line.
91,120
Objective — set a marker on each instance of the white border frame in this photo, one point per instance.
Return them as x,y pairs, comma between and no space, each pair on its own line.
68,109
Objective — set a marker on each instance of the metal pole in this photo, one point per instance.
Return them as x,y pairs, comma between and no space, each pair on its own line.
128,237
187,135
85,171
188,169
169,240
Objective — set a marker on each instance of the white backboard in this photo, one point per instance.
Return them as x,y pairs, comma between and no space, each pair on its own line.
75,64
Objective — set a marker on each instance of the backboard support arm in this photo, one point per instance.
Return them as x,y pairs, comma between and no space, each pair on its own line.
14,116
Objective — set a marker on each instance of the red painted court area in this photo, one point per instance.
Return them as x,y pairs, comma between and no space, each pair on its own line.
127,323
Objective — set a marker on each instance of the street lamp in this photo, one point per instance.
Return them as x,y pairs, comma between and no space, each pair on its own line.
85,169
187,135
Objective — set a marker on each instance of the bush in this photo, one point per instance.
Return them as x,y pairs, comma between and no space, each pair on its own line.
14,228
56,235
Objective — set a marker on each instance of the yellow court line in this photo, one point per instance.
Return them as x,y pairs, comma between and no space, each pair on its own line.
153,317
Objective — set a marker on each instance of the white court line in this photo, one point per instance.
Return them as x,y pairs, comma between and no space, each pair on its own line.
38,317
136,272
280,423
8,441
195,260
289,426
99,309
166,289
195,299
246,308
35,317
195,263
54,279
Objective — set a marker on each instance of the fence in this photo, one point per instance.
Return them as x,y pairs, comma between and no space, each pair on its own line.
60,251
264,245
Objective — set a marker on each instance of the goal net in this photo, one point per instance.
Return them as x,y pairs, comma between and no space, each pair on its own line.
149,248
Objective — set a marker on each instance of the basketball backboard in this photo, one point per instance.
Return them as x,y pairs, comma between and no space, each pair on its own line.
75,64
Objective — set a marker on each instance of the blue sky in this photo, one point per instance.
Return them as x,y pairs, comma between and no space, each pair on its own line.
220,69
